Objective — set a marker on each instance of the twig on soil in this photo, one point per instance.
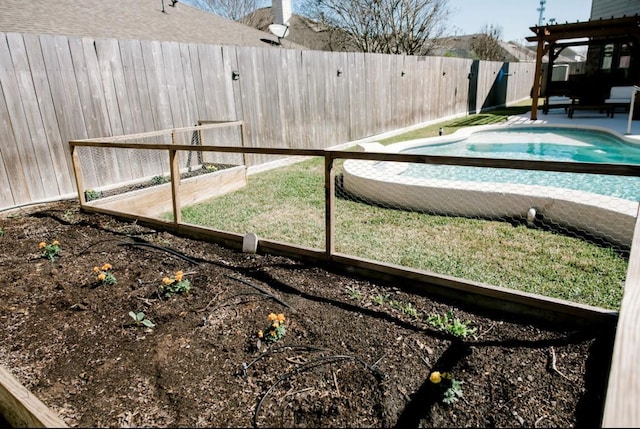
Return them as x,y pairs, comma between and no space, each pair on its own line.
553,364
487,330
248,283
378,361
210,302
518,396
335,383
279,349
145,300
310,365
544,416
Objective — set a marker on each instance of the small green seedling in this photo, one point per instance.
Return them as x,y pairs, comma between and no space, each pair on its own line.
140,319
452,325
354,293
159,180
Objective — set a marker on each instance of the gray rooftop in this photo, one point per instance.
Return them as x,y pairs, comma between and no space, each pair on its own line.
129,19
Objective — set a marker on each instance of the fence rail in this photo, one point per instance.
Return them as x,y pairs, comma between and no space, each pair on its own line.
57,88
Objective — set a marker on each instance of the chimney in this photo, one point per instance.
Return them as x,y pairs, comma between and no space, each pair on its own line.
282,11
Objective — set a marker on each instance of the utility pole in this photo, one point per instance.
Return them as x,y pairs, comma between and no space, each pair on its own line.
541,10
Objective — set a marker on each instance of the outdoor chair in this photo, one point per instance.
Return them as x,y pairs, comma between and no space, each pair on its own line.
620,96
556,102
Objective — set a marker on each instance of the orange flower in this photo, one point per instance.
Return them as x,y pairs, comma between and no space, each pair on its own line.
167,281
272,316
101,276
435,377
106,266
179,275
260,334
275,324
55,243
42,245
280,318
96,270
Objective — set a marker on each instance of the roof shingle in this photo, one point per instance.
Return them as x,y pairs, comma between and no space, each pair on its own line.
129,19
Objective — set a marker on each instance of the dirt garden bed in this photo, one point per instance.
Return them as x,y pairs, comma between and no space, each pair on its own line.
356,353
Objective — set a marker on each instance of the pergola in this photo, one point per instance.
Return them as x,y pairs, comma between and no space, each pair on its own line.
552,39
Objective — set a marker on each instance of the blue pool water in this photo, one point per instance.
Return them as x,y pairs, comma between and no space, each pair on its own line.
537,143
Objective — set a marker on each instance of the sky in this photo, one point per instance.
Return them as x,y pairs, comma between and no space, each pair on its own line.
514,17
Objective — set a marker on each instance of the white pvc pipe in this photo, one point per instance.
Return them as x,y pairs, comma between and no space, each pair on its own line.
633,99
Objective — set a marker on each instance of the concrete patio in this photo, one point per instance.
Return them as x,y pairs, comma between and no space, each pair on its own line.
619,123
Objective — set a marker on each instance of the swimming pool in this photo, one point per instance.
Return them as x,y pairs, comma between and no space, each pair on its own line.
600,205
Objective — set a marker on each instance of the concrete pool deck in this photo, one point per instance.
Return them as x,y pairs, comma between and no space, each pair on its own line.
608,218
618,123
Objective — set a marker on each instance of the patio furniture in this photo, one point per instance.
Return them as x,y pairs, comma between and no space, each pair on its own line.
557,101
602,108
620,96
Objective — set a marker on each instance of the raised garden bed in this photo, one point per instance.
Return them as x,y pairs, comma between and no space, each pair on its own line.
357,352
153,198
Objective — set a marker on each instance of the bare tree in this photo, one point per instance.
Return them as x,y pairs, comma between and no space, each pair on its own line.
236,10
384,26
486,45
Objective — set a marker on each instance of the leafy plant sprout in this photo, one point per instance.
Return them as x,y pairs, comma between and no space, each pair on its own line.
276,329
380,299
50,251
141,319
354,293
407,308
175,284
450,387
1,232
452,325
104,274
159,180
91,194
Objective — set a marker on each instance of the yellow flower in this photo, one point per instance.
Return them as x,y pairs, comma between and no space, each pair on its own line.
101,276
435,377
96,270
42,245
179,275
275,324
281,318
55,243
272,316
273,333
106,266
260,335
167,281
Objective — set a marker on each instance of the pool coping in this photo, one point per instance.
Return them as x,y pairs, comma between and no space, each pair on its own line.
608,218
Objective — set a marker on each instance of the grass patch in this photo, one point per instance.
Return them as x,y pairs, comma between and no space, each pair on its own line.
287,205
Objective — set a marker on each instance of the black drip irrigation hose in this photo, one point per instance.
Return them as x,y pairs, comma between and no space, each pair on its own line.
164,249
310,365
248,283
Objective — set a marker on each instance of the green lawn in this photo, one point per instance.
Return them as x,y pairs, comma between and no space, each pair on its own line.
287,205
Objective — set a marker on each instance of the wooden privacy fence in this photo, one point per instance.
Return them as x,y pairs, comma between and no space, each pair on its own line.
57,88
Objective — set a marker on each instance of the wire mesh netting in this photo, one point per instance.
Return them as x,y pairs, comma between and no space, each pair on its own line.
561,234
467,223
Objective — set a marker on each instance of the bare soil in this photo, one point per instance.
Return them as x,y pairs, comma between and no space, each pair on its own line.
355,353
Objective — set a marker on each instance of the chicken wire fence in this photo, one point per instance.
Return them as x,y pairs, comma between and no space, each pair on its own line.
107,170
449,216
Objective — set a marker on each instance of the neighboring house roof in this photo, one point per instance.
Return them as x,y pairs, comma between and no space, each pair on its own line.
129,19
303,31
461,47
